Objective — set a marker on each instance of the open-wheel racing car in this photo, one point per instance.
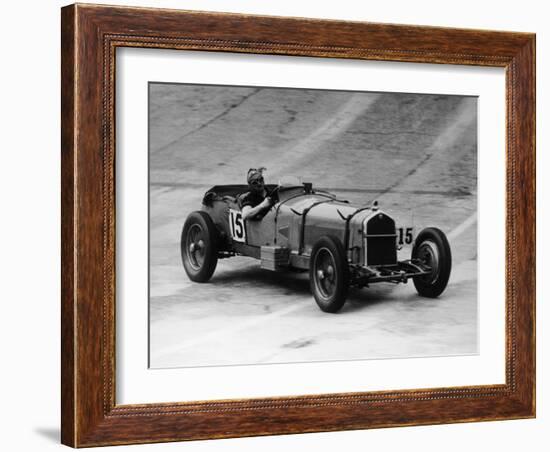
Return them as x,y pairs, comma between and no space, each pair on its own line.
305,229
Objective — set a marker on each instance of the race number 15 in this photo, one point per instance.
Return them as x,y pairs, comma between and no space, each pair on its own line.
404,236
236,224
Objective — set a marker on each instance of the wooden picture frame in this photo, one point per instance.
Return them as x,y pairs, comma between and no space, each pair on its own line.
90,36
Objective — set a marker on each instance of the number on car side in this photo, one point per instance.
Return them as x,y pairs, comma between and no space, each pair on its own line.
236,225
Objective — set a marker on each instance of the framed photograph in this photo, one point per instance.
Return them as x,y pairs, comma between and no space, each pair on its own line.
281,225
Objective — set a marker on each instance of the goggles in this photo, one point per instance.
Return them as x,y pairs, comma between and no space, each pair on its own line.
257,182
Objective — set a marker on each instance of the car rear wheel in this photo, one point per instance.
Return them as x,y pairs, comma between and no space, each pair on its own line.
329,274
199,253
431,248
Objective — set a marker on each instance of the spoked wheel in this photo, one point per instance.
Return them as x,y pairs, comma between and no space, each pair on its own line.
328,274
431,248
199,246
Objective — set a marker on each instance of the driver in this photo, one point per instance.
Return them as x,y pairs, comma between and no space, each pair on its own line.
255,203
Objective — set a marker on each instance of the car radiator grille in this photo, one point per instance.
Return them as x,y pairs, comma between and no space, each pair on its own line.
380,240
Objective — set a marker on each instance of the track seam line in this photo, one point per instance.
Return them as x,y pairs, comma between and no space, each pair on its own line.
210,121
218,334
442,141
462,227
339,121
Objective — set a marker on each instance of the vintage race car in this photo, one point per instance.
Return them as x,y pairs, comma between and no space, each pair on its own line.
306,229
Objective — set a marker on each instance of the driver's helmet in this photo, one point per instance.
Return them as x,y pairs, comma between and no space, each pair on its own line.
255,177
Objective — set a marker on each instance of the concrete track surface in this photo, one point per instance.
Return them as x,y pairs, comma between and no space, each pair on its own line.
415,154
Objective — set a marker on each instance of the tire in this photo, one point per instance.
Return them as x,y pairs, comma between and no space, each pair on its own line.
199,246
431,248
329,274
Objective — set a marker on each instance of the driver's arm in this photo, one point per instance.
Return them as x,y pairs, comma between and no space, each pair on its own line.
250,212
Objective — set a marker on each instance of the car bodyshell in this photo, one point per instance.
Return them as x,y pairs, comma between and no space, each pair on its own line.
286,234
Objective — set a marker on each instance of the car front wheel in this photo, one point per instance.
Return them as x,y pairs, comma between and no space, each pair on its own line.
199,253
431,249
329,274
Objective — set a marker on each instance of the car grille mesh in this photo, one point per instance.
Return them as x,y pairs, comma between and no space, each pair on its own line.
380,238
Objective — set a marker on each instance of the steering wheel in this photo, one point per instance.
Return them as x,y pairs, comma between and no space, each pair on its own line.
274,194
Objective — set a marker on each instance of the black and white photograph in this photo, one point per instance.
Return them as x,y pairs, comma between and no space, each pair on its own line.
275,226
305,225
